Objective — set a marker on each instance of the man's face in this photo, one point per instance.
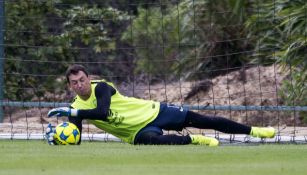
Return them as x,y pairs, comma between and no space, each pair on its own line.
80,84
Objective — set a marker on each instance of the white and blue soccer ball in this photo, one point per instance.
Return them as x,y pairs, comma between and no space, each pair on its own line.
66,133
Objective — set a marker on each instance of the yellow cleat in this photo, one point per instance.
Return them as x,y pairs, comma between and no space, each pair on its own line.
263,132
203,140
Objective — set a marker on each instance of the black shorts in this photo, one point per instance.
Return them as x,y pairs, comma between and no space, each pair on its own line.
170,117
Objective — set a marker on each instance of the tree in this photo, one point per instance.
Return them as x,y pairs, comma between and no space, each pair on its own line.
46,36
281,30
191,38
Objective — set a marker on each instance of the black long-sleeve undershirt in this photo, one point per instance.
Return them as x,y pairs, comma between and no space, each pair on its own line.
103,93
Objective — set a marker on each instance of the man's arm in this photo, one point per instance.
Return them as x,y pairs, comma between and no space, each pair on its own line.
78,122
103,93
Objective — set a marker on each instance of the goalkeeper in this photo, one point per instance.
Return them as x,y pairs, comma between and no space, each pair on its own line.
138,121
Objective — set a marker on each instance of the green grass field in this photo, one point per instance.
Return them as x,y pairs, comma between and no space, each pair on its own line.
91,158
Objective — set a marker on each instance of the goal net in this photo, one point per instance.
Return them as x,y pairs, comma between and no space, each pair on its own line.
241,60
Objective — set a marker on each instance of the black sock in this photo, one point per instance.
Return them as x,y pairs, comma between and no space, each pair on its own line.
152,138
217,123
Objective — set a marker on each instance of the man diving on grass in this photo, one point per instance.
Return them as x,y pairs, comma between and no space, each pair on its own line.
138,121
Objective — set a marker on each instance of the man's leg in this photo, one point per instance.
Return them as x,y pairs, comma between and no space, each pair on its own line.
170,118
225,125
154,138
217,123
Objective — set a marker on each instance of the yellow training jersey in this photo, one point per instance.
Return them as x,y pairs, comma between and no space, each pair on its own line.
127,115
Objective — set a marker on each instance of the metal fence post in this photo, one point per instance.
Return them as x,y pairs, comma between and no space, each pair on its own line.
1,56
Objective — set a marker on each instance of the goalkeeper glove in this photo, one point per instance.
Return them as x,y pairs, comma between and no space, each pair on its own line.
63,111
50,131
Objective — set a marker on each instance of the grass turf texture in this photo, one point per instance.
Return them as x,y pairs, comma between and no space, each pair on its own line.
37,157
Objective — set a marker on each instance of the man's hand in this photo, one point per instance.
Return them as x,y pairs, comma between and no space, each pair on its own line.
63,111
50,131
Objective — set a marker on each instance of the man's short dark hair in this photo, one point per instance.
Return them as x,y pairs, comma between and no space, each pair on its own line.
74,69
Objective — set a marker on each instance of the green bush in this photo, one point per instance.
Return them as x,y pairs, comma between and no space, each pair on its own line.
281,31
